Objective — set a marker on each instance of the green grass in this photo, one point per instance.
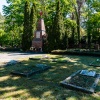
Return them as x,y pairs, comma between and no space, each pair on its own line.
95,63
45,86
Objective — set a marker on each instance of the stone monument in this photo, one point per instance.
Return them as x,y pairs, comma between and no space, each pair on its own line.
39,35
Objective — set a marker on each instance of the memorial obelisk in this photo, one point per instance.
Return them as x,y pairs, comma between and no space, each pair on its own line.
39,35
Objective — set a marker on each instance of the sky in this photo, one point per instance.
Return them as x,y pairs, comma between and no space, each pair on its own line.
2,2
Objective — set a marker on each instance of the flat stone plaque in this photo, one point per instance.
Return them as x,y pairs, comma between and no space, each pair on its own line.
88,73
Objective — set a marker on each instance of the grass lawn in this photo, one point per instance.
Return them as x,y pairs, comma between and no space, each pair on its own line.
95,63
45,85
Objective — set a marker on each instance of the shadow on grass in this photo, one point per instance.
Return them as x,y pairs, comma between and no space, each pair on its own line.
45,85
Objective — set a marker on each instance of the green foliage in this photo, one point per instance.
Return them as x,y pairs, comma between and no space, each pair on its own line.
93,22
14,21
1,17
26,31
30,17
94,25
1,36
66,22
2,33
58,28
33,20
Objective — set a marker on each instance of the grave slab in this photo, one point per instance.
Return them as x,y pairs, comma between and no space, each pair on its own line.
95,63
38,68
59,60
84,83
12,62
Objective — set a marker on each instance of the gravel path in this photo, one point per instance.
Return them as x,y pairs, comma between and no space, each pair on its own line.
8,56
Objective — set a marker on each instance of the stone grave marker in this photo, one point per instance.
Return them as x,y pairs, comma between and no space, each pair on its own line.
60,60
95,63
12,62
83,80
88,73
41,65
30,70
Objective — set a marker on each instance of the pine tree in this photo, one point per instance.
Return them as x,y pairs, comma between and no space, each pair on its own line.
58,28
26,30
33,19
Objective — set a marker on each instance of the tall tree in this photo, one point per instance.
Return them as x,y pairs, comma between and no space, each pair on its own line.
33,19
26,31
14,20
93,21
58,27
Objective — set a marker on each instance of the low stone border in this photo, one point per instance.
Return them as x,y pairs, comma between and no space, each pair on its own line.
91,89
34,58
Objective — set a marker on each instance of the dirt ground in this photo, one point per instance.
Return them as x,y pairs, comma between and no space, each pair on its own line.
8,56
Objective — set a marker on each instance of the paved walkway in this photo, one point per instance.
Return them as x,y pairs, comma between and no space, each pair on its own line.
8,56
